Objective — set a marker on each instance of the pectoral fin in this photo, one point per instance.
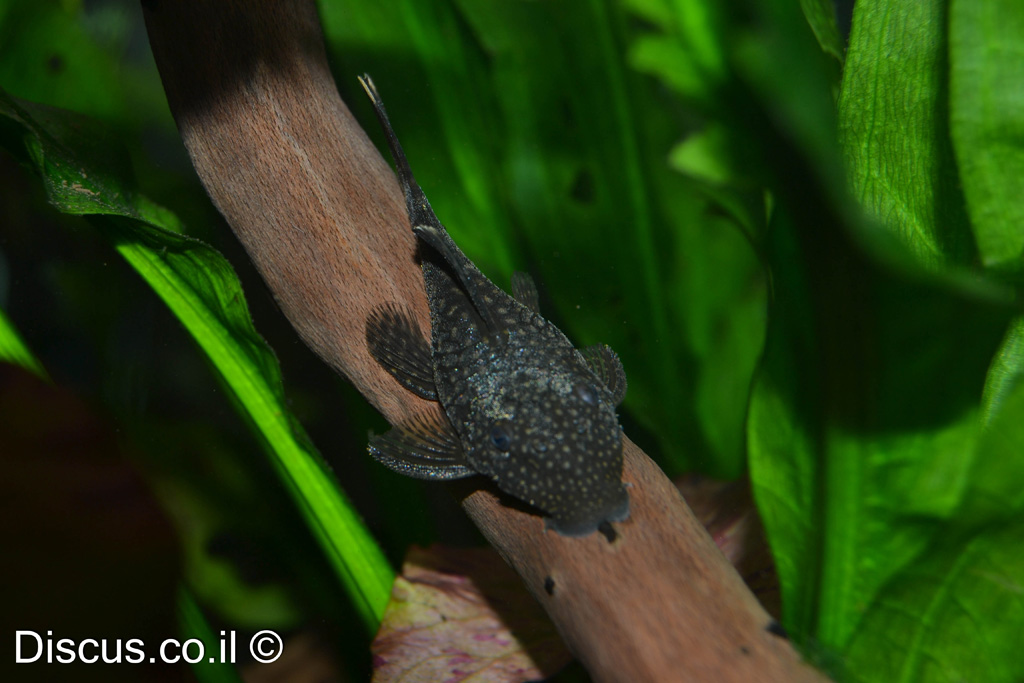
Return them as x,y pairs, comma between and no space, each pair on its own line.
606,365
396,343
525,291
426,448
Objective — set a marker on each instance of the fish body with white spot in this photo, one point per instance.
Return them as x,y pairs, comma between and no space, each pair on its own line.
524,407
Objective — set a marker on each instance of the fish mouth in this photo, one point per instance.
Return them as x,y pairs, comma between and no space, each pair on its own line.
620,511
576,526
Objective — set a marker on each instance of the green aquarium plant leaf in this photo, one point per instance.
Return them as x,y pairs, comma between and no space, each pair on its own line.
85,172
876,463
894,128
958,609
821,16
429,52
14,350
705,156
930,623
665,57
775,92
1006,372
994,493
863,428
986,58
689,53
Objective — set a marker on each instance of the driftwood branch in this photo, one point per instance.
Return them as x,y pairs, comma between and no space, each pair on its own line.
321,215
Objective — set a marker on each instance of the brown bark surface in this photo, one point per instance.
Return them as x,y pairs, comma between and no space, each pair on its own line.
321,215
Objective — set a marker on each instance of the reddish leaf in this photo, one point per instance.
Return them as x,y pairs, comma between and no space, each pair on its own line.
463,615
88,553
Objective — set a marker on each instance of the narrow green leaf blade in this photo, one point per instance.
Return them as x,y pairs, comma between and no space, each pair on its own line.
85,172
821,15
13,348
194,625
1006,371
249,368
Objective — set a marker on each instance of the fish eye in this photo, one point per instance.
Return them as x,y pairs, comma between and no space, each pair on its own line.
500,438
586,393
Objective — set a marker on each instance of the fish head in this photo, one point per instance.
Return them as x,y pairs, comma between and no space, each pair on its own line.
553,439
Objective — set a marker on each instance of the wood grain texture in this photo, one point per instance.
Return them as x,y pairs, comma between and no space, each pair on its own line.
322,217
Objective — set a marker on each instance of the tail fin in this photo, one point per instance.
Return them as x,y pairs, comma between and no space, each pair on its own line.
422,218
420,213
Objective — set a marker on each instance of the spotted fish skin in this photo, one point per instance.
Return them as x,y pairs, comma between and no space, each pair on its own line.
523,406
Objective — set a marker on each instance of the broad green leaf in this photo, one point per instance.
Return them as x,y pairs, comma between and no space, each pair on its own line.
13,349
987,121
84,172
700,25
707,157
723,294
773,118
893,127
695,26
478,215
867,437
955,614
863,425
782,437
